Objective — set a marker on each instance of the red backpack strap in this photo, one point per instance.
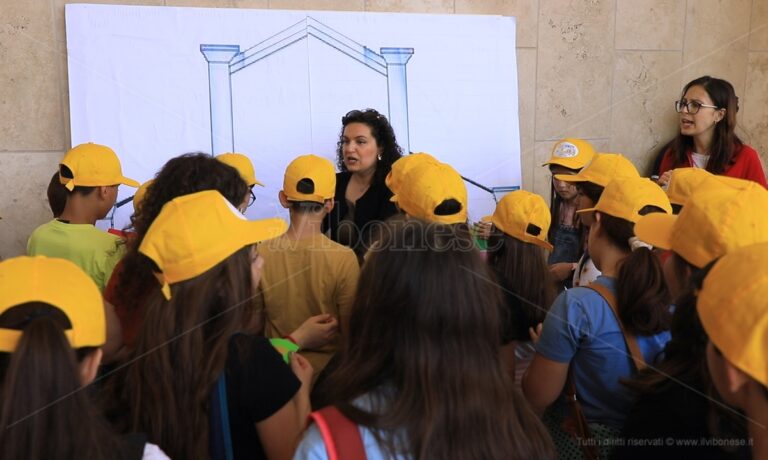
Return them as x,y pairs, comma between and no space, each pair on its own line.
341,435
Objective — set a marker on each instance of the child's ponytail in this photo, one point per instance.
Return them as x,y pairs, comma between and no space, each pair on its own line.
642,295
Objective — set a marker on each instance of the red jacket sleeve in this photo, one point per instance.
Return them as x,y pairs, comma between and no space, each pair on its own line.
752,167
747,166
667,163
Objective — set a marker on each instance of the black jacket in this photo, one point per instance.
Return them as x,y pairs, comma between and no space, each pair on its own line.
373,206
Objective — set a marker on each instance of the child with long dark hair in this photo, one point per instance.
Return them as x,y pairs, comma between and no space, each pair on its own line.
133,277
517,251
569,156
720,216
191,341
52,328
590,183
420,371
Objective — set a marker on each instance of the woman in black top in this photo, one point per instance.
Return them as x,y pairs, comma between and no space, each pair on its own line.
366,150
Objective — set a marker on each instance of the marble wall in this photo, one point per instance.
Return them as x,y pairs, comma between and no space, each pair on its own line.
604,70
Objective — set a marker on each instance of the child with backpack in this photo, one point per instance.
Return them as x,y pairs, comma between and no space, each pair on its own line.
195,383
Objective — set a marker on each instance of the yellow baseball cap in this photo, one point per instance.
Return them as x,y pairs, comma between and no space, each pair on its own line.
59,283
682,183
316,169
403,166
733,309
93,165
141,192
243,165
195,232
428,186
603,168
517,212
717,218
571,153
625,197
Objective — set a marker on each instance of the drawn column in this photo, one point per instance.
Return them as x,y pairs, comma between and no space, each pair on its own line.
397,92
220,94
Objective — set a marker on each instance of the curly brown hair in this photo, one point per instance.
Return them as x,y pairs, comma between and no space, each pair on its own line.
382,131
182,175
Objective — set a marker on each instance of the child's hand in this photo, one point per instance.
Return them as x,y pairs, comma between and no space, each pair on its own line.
562,270
316,331
483,230
664,179
535,333
302,369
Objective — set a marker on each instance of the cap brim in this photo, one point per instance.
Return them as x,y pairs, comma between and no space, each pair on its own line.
570,178
538,242
260,184
656,229
129,182
565,163
266,229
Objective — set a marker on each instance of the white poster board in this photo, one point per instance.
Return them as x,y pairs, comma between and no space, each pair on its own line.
156,82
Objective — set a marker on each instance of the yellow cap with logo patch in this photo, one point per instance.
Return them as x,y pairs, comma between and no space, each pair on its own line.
571,153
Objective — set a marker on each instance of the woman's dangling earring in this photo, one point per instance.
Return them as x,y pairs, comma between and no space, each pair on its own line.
379,157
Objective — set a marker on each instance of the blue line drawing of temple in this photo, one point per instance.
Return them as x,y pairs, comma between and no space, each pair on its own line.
224,60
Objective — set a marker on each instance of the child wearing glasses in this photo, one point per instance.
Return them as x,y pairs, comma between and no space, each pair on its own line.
244,167
707,139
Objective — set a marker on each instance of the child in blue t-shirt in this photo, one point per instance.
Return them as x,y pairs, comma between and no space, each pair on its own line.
583,336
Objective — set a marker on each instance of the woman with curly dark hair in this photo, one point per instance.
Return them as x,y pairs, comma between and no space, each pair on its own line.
365,152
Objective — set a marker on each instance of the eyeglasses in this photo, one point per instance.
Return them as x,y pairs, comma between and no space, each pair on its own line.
692,106
252,199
